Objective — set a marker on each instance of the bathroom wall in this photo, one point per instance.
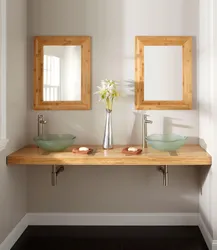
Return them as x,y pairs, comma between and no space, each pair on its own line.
207,91
113,26
214,110
13,179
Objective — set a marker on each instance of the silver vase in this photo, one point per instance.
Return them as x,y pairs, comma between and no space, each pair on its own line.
108,136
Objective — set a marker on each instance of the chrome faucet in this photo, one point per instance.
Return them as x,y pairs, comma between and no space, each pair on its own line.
145,121
41,123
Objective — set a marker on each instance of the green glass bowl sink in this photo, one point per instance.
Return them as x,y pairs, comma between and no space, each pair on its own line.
166,142
54,142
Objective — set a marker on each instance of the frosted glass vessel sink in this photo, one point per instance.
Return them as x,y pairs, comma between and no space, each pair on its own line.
166,142
54,142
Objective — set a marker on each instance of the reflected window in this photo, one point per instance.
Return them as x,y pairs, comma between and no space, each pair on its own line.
52,88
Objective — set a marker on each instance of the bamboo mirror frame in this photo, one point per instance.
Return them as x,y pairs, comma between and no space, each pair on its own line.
84,73
186,81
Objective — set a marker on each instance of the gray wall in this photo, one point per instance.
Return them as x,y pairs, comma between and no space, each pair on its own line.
207,91
13,203
205,115
113,26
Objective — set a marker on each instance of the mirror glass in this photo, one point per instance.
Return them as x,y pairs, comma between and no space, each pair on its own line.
163,73
62,73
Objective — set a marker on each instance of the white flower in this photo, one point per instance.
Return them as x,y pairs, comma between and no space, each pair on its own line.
108,92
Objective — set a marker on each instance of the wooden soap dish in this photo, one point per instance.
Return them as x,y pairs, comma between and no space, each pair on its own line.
125,151
76,151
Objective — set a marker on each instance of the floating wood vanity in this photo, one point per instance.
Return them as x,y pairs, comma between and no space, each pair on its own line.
187,155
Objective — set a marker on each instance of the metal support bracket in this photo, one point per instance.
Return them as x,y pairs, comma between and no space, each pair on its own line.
165,172
56,170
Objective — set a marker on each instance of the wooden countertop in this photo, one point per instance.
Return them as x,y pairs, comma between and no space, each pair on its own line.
187,155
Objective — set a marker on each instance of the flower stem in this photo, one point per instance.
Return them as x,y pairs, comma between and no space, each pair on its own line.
109,103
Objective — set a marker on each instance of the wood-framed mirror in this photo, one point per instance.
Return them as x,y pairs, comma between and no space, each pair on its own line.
62,73
163,72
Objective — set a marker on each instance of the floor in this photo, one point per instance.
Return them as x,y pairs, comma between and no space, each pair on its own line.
110,238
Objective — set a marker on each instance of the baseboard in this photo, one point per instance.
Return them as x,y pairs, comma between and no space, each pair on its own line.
15,234
212,244
146,219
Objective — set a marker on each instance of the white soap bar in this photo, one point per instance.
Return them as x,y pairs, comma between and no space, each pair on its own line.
83,149
132,149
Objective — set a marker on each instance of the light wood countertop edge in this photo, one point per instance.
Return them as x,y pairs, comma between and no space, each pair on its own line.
188,155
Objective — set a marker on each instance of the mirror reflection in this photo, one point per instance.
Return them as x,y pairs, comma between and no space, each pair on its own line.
163,73
62,73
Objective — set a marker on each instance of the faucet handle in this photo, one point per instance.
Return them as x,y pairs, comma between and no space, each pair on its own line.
44,122
41,119
148,121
